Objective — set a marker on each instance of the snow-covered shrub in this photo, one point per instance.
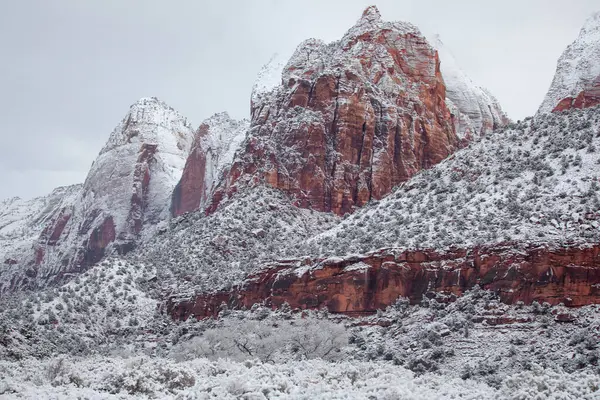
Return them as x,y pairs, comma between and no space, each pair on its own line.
267,340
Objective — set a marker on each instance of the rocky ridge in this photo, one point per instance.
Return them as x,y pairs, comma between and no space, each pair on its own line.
362,284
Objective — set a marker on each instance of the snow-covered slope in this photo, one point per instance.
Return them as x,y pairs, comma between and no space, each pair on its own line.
23,221
534,182
153,137
255,226
124,199
215,144
578,67
476,110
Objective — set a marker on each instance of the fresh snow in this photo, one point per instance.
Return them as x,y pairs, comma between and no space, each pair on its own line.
477,112
221,140
269,77
577,67
108,190
23,221
436,350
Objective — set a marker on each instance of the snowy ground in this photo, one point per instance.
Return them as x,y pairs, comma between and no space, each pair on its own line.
473,347
143,377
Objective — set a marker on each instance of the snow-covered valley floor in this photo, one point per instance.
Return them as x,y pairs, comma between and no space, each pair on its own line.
144,377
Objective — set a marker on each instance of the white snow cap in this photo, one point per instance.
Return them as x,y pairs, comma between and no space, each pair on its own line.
269,77
152,121
477,111
577,67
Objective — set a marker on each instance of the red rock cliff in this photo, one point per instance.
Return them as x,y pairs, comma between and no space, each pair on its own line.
362,284
350,120
589,97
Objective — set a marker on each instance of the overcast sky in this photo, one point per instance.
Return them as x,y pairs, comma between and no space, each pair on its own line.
70,69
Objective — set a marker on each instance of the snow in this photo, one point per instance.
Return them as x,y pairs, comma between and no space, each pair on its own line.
23,221
435,350
477,112
104,334
220,143
269,77
108,190
108,186
359,266
577,67
535,182
253,227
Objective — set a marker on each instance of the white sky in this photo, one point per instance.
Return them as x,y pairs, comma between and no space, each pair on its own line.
70,68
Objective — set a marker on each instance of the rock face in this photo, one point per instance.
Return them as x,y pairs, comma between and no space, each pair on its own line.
576,83
349,120
475,111
359,285
125,197
22,222
588,97
215,144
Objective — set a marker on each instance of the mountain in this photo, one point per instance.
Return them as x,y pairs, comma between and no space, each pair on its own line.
576,83
476,112
378,209
125,197
515,213
22,222
304,132
215,143
349,120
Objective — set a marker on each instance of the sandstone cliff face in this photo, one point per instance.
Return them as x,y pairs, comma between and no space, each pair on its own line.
125,197
359,285
576,83
350,119
215,143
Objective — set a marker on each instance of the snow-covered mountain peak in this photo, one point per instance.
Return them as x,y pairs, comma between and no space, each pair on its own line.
476,110
577,71
591,28
150,120
371,20
215,144
268,78
221,128
371,14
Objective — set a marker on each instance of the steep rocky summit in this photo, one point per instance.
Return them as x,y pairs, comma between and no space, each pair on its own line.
576,83
125,197
215,144
349,120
